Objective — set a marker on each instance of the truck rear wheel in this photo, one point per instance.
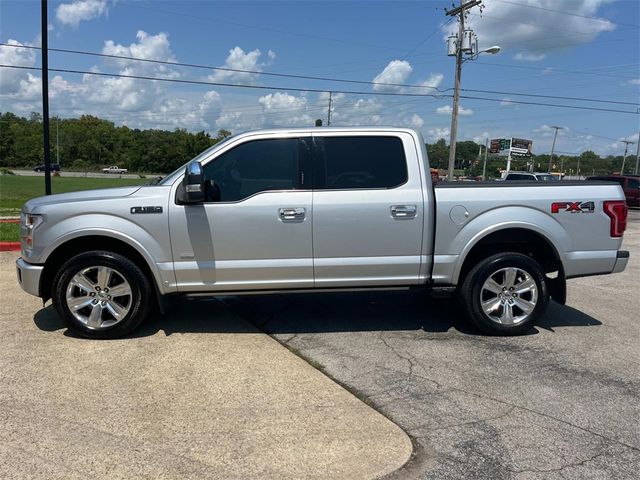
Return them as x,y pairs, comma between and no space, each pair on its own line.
505,294
101,294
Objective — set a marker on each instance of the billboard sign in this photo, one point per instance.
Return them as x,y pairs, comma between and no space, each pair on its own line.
500,146
521,147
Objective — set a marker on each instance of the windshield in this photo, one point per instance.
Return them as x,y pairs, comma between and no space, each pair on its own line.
547,178
169,179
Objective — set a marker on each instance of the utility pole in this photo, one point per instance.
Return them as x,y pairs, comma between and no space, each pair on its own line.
45,96
459,12
553,146
635,171
624,159
484,164
329,112
58,140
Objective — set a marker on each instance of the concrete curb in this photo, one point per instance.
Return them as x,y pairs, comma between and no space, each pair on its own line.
9,246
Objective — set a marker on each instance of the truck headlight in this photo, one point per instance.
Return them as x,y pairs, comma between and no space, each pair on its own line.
28,223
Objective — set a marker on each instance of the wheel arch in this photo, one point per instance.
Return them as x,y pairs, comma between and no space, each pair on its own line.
81,244
521,240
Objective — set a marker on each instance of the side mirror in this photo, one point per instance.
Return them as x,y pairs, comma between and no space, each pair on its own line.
191,190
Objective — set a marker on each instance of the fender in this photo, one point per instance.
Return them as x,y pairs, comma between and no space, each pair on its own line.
492,221
160,264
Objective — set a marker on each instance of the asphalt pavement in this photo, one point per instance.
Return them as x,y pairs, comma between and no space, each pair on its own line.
561,402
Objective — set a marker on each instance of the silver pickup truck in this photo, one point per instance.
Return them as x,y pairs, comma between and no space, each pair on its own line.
317,210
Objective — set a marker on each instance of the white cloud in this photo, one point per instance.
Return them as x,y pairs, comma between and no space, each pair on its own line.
506,102
238,59
635,81
80,10
282,101
416,121
150,47
433,82
532,28
481,138
530,56
130,94
138,103
11,79
549,131
278,109
435,134
192,114
397,71
448,109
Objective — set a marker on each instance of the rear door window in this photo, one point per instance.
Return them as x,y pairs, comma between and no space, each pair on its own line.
361,162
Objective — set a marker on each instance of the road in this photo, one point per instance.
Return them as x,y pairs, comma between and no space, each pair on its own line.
64,173
561,402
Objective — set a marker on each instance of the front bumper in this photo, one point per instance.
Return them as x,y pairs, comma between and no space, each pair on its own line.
622,257
29,276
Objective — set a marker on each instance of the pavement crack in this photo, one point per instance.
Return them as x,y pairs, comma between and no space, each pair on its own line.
402,357
471,422
546,415
568,465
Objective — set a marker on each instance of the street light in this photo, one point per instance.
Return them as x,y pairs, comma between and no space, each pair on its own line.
456,95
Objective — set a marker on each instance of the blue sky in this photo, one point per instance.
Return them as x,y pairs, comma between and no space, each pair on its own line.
567,48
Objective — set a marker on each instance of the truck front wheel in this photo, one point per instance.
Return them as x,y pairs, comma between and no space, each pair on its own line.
505,294
101,294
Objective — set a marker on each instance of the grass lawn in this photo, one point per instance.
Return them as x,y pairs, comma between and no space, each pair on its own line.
9,232
15,190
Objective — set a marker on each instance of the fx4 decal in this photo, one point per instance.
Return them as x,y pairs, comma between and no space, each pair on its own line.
573,207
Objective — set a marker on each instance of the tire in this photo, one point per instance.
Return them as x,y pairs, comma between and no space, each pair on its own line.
88,307
505,294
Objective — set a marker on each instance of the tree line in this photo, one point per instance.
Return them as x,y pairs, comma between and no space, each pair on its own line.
89,143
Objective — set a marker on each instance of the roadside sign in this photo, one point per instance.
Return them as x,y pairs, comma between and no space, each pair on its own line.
515,147
521,147
500,146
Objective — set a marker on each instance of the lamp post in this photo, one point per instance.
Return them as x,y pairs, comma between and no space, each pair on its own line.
456,93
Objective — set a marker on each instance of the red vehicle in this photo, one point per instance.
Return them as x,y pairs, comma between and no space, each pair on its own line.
630,185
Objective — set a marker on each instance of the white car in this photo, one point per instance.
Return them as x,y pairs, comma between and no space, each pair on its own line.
114,169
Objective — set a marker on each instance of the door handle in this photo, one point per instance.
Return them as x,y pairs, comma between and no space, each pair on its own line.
404,211
292,214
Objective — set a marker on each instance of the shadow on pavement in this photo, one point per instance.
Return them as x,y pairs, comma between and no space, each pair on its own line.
319,313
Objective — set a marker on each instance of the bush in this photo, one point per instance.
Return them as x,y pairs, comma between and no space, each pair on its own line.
5,171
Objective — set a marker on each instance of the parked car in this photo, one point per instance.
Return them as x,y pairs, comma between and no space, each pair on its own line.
114,169
630,186
54,167
530,176
315,209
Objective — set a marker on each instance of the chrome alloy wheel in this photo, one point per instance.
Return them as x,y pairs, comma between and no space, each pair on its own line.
509,296
99,297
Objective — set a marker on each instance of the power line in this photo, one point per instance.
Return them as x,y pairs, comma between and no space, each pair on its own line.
550,96
225,84
308,77
567,13
527,67
313,90
576,107
224,69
